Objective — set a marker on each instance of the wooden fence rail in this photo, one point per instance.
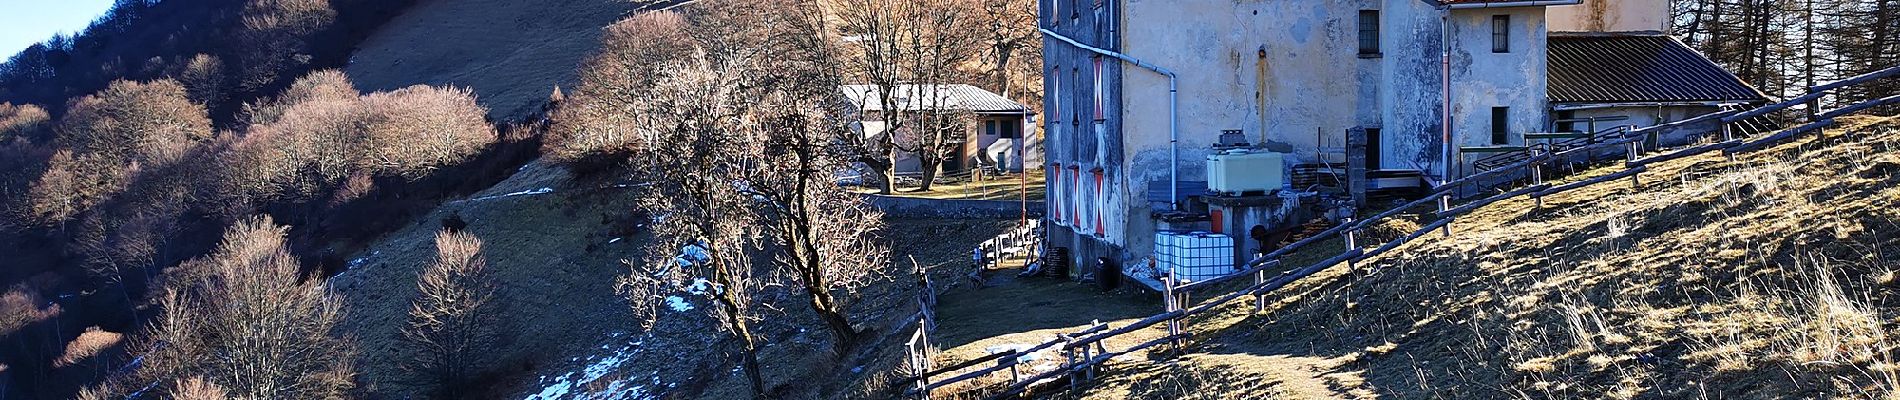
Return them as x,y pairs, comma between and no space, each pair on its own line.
1633,166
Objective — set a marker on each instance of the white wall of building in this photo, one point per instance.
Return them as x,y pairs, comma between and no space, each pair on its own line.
1611,16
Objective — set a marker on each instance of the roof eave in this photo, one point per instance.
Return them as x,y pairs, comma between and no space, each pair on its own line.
1507,3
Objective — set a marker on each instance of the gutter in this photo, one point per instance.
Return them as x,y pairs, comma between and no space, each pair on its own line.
1174,133
1589,106
1521,3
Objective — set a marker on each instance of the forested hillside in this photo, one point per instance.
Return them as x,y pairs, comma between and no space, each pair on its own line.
1785,46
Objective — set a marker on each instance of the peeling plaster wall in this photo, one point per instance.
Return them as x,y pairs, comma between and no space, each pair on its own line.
1313,85
1312,88
1611,16
1413,91
1482,79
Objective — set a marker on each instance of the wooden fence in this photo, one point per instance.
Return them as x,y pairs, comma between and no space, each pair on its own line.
1085,351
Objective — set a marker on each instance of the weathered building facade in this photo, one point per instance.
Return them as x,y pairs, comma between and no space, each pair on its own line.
1139,92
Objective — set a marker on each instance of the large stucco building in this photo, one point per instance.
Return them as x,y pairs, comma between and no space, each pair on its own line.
1138,93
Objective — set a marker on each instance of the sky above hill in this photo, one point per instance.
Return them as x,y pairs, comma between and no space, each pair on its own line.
25,22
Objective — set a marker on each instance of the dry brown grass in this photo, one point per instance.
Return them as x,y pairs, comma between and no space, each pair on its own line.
1009,187
1768,276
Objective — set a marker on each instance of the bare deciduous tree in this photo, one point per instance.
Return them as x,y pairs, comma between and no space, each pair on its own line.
733,132
451,320
240,319
203,76
130,122
275,37
1010,26
592,125
412,131
909,50
23,121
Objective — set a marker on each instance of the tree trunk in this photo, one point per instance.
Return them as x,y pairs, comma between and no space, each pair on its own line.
844,336
886,175
1003,53
930,166
752,370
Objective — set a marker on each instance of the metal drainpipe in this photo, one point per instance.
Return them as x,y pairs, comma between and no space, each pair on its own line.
1174,133
1444,33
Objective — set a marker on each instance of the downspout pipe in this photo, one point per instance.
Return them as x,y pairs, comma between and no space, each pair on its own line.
1174,121
1444,58
1444,38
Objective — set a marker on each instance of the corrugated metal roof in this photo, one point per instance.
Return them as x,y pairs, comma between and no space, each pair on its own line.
1637,68
958,97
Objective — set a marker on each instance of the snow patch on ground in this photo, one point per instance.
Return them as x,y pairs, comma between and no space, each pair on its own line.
1029,359
591,380
678,304
535,192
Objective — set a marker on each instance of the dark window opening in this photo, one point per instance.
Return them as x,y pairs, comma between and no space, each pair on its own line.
1500,34
1008,129
1372,148
1500,125
1567,126
1369,32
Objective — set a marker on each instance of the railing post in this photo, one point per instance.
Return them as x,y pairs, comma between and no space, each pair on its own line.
1352,268
1259,299
920,362
1169,297
1444,204
1537,168
1068,358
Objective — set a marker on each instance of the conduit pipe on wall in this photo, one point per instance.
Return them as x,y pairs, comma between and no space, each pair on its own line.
1174,133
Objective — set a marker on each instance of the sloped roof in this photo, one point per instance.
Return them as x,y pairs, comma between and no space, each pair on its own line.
1637,68
954,97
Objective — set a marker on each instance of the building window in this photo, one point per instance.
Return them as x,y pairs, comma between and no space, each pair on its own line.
1055,192
1055,95
1369,32
1055,12
1100,112
1075,118
1009,128
1102,203
1500,125
1500,34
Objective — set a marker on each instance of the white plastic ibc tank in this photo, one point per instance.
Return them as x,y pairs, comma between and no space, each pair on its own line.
1194,256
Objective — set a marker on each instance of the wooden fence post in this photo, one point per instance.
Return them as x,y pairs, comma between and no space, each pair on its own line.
1169,297
1068,358
918,348
1259,299
1352,269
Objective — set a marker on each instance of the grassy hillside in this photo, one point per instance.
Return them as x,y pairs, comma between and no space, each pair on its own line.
512,53
1768,276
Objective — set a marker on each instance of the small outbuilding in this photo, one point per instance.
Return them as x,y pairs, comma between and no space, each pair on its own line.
996,127
1647,77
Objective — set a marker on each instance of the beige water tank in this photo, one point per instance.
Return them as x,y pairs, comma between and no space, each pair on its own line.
1245,171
